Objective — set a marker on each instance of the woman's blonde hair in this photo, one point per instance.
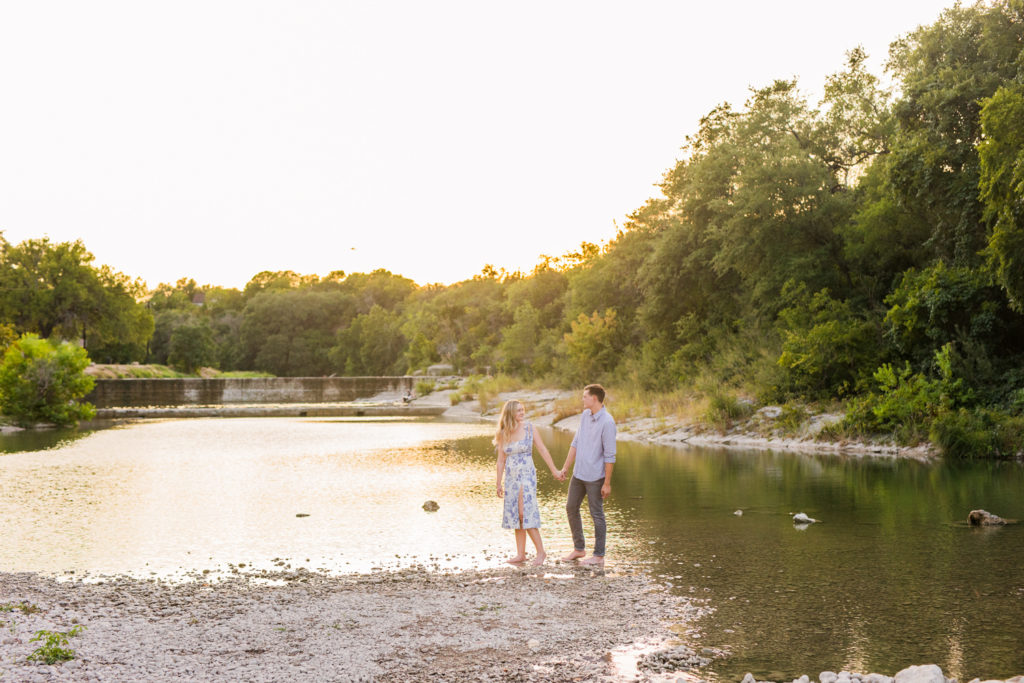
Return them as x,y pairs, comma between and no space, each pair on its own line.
507,423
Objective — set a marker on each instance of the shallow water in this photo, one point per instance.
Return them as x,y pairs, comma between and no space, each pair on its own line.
890,577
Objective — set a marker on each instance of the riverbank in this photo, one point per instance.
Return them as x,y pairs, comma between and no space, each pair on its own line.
547,407
552,623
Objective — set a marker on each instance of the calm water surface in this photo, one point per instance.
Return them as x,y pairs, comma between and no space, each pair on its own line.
891,577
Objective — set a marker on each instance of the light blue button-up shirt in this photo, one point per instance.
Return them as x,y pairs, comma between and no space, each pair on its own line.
594,444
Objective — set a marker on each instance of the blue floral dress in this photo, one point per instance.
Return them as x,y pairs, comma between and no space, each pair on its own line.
521,475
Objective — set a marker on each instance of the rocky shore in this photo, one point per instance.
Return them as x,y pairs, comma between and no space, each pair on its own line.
552,623
922,673
755,432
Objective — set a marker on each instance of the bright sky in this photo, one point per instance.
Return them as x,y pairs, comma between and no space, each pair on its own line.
215,139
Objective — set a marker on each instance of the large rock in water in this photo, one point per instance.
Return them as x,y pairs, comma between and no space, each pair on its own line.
925,673
983,518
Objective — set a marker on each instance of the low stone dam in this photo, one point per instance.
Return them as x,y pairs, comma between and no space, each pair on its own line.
263,396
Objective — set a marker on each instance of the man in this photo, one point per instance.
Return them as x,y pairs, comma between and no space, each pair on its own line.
592,474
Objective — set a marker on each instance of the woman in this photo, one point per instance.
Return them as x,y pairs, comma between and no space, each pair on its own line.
514,442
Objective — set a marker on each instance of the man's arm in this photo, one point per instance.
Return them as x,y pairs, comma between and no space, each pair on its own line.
608,446
569,460
606,488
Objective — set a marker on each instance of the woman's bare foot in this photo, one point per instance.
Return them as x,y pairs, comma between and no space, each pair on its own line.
593,559
574,555
516,559
539,560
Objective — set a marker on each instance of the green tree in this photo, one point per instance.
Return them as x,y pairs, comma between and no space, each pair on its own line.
45,382
827,348
373,344
591,346
289,332
191,347
1002,188
946,70
53,290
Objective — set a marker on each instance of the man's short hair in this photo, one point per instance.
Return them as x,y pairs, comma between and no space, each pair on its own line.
595,390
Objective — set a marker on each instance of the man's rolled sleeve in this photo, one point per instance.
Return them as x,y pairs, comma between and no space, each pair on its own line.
608,440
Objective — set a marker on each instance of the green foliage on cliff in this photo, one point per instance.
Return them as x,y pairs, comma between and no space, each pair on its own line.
44,382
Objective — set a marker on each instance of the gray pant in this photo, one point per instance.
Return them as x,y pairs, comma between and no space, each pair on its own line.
592,490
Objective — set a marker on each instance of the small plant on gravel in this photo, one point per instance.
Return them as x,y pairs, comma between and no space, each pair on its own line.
54,648
490,608
23,607
425,387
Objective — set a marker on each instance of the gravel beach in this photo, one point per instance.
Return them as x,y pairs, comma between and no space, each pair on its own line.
552,623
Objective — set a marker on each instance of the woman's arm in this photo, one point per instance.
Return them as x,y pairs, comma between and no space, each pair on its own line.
547,456
501,470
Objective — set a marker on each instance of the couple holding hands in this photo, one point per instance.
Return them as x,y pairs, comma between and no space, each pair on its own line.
592,457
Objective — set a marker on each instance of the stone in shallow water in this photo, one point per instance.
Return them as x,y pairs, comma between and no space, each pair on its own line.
984,518
431,506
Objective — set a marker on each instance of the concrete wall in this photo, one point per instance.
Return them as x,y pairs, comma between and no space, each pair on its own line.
125,393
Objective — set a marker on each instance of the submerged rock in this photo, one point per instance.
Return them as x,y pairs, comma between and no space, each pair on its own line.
801,518
984,518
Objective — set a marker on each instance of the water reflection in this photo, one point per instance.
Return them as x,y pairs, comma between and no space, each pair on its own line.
38,439
890,577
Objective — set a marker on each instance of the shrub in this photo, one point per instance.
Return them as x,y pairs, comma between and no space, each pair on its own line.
54,648
792,418
907,402
43,382
965,434
424,387
724,408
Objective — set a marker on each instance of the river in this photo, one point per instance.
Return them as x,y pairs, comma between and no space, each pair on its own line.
891,576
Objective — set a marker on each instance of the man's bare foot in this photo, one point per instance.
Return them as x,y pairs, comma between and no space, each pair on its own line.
539,560
574,555
516,559
594,560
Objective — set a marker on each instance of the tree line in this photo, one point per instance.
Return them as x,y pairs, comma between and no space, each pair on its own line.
867,248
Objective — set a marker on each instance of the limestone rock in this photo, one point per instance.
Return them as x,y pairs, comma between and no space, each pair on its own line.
431,506
925,673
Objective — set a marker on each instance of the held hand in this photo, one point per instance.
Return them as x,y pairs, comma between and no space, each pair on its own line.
606,490
557,474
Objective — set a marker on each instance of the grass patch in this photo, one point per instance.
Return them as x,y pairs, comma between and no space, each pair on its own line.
723,409
630,402
792,418
242,374
155,371
425,387
23,607
484,390
566,407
